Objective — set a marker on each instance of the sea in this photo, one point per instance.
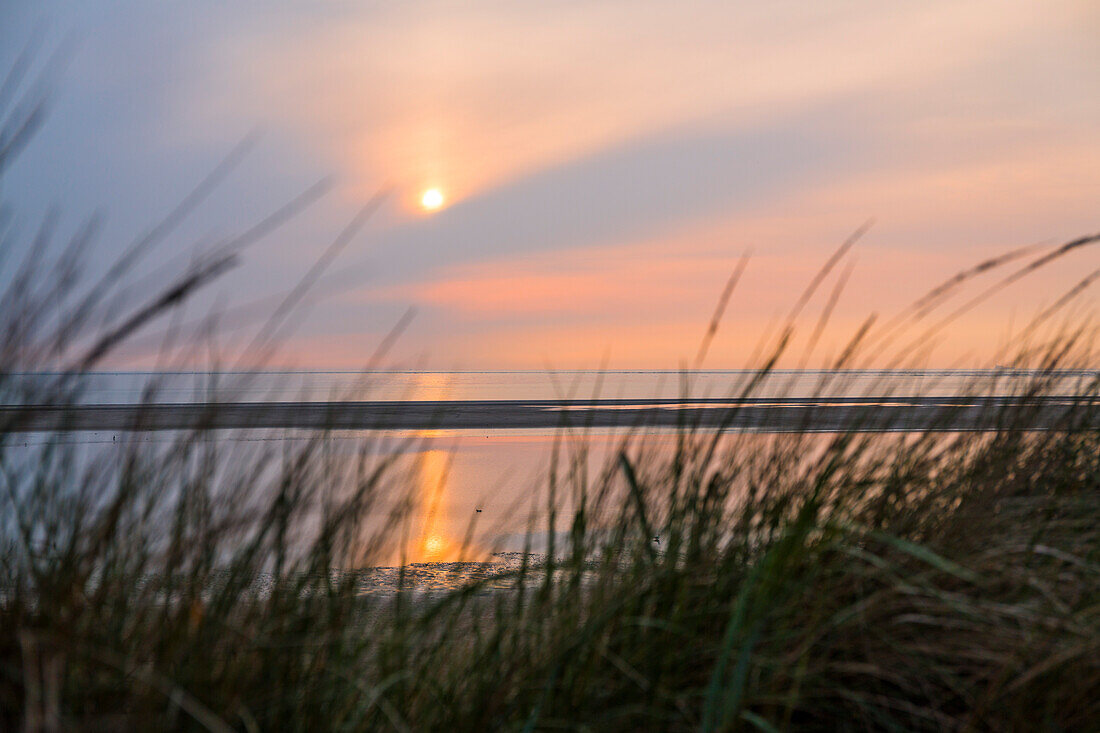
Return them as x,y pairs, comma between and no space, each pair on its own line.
477,493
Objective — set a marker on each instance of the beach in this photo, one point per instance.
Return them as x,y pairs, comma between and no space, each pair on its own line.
805,414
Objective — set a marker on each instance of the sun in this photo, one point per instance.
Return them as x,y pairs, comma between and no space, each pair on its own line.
431,199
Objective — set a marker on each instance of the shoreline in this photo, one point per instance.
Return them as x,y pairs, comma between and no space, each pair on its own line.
821,414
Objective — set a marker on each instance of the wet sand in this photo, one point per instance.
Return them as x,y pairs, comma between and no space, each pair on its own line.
863,414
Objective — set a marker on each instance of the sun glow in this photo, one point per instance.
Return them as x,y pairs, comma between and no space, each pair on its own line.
432,199
435,548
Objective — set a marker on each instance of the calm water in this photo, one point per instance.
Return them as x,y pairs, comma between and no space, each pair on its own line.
454,474
175,387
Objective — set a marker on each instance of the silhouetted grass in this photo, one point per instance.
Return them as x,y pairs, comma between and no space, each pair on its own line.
801,581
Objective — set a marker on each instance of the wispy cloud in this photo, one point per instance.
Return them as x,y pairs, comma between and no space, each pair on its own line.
602,161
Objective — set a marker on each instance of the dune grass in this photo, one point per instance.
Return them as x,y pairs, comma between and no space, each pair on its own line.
801,581
850,581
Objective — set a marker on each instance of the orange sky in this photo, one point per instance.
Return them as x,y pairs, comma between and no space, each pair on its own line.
604,165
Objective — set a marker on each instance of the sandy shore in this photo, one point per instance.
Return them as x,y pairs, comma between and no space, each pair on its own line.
759,414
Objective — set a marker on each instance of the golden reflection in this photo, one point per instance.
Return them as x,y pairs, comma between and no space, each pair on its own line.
434,541
431,511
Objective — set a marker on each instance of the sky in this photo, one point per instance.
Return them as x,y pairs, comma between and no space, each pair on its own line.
603,165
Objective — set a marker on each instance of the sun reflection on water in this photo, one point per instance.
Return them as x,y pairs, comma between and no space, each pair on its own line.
434,541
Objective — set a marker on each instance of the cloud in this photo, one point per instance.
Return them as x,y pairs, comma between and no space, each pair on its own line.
636,189
606,161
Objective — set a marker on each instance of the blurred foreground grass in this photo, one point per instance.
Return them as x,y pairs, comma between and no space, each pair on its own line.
860,581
